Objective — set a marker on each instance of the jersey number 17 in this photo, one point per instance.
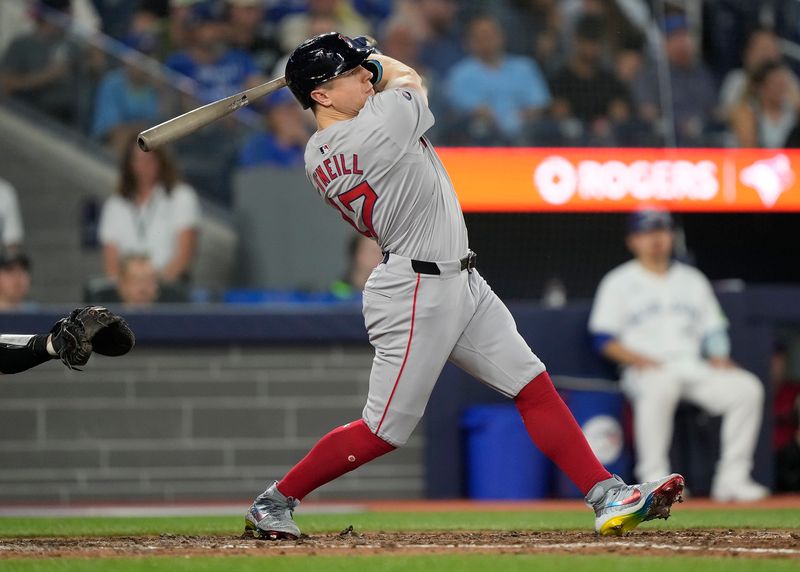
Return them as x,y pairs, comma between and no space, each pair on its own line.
349,213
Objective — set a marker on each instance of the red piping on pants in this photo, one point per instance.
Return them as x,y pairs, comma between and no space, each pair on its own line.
405,357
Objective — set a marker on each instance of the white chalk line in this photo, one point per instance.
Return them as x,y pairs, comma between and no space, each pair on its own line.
489,547
556,546
124,511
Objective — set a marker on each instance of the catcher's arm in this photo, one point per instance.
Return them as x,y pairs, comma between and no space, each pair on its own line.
21,352
70,340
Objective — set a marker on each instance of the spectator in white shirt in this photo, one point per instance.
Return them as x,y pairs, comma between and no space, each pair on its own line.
762,47
152,214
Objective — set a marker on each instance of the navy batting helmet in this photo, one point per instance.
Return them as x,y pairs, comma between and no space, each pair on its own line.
320,59
649,218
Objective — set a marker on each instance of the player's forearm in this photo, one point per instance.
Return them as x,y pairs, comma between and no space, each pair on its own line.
21,352
396,74
618,353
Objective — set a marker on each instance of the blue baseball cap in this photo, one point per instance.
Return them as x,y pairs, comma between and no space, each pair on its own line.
204,12
645,220
675,23
145,42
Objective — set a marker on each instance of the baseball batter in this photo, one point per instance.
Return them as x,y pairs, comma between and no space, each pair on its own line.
425,303
659,319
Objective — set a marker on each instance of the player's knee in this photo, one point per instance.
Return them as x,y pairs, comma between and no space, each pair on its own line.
750,388
393,439
392,434
658,385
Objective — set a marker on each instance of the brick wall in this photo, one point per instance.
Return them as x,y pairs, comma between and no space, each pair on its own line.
189,423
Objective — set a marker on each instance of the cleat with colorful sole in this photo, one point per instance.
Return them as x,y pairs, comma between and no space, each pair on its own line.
656,504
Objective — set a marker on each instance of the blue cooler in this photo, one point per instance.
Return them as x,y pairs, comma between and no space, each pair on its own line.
501,460
599,413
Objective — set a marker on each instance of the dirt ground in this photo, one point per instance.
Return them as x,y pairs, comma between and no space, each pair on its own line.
705,542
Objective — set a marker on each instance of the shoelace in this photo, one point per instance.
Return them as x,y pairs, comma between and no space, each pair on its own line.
277,508
617,496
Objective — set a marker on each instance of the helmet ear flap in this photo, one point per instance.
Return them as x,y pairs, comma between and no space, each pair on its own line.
304,99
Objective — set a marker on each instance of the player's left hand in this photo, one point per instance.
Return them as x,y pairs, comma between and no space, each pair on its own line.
366,42
374,66
721,362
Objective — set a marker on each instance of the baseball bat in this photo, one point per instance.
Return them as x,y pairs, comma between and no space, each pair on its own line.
193,120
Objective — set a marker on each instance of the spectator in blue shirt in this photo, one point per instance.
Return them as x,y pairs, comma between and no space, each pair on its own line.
126,101
498,93
284,141
694,94
217,70
250,32
441,45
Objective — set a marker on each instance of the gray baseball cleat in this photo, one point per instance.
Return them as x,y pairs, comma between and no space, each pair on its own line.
270,516
619,508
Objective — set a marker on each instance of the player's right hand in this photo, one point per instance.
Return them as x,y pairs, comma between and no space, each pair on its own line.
644,362
375,68
721,362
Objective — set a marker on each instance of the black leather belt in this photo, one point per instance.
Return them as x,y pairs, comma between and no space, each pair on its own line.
424,267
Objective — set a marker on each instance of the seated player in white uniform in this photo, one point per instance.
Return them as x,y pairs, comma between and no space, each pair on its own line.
660,321
425,303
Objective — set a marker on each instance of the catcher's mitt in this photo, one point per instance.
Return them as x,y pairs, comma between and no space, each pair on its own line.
70,343
108,333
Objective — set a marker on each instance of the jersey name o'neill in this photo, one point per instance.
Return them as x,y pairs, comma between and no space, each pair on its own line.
333,168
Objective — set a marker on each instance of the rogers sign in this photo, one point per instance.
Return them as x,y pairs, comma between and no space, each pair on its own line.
558,180
614,179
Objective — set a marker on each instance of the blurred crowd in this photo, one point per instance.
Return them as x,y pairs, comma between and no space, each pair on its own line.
503,72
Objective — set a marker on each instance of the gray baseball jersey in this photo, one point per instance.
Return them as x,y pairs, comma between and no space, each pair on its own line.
386,180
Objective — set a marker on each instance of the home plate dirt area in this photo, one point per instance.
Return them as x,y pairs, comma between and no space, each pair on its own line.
696,542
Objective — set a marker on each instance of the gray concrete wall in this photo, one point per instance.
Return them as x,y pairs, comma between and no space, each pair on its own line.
289,237
191,423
